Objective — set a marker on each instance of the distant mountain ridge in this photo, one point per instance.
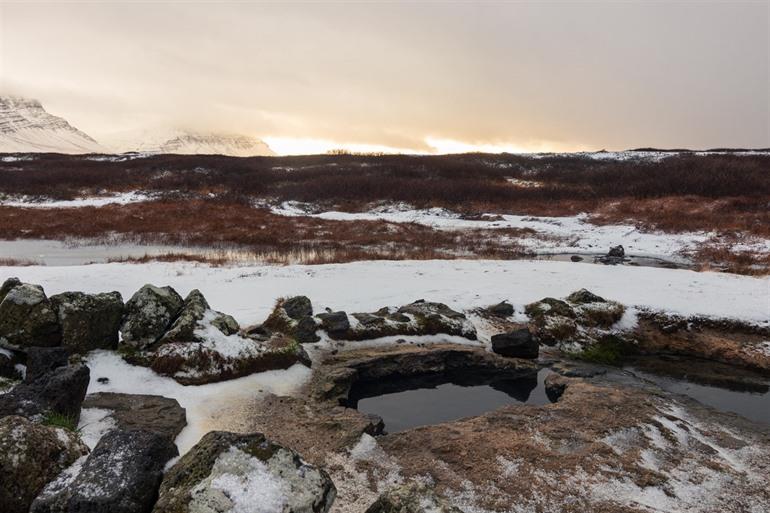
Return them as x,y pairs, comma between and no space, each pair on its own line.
25,126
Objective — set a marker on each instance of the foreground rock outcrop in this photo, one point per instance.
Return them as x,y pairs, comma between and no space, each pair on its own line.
411,498
60,392
121,475
149,314
32,455
132,412
228,472
27,316
89,321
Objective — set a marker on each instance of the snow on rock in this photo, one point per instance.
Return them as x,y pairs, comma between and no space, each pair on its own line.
25,126
94,424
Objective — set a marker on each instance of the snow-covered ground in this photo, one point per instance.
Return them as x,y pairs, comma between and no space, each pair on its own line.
122,198
567,234
248,292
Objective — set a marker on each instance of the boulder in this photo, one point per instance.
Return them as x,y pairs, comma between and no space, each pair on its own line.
584,296
229,472
334,322
121,475
89,321
297,307
42,360
617,252
149,314
219,357
502,309
305,331
197,315
60,391
515,344
27,317
293,317
411,498
32,455
132,412
555,385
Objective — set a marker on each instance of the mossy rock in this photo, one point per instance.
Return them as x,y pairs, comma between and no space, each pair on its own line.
549,307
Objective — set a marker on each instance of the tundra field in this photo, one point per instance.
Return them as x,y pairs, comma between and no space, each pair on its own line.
707,210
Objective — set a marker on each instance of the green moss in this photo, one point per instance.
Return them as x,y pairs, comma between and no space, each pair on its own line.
60,420
609,350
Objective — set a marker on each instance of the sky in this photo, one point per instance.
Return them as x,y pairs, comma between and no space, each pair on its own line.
400,76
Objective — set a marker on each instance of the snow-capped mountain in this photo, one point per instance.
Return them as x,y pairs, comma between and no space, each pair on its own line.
219,144
25,126
160,140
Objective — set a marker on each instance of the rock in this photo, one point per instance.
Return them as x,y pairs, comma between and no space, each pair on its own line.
228,472
418,318
32,455
617,252
515,344
297,307
8,362
89,321
133,412
42,360
502,309
555,385
7,285
583,296
148,315
411,498
27,317
196,315
334,322
305,329
549,307
576,258
219,357
296,322
59,391
121,475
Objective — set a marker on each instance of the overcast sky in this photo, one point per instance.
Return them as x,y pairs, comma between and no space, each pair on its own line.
430,76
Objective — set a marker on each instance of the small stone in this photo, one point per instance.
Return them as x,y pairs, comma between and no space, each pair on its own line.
502,309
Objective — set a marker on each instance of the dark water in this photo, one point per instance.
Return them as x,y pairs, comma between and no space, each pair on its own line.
637,261
750,399
405,404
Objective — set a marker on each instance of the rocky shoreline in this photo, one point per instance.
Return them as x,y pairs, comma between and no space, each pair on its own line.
607,441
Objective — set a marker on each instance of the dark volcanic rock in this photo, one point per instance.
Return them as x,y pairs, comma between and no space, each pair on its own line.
583,296
42,360
131,412
334,322
305,331
297,307
149,314
59,391
617,252
31,455
89,321
515,344
190,319
27,317
190,485
502,309
121,475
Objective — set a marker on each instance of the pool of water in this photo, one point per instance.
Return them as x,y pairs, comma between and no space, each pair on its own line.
723,387
638,261
405,404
